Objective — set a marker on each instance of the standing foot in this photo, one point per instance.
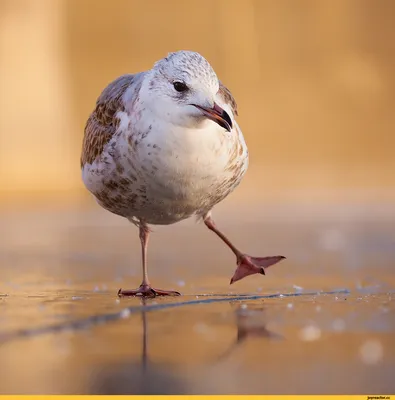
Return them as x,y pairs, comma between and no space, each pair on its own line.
247,265
147,291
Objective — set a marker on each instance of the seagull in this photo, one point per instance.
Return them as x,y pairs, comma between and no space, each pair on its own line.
162,146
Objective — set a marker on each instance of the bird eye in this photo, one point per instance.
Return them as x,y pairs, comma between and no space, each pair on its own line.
180,86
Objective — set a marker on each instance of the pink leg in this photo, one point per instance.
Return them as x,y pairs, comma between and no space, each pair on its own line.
145,288
246,265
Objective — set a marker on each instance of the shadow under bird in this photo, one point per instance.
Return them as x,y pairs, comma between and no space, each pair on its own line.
163,145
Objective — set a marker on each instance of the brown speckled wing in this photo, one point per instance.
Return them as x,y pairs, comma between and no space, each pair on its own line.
225,93
102,123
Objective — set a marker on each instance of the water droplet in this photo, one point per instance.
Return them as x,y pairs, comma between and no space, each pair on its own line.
384,309
338,325
297,288
125,313
371,352
200,328
290,305
181,283
310,333
243,306
205,330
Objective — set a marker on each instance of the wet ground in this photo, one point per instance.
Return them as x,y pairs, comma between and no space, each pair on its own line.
322,321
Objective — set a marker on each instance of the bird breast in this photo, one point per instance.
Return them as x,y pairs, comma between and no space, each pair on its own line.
186,163
164,173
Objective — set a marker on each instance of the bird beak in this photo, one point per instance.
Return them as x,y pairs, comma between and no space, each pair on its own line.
218,115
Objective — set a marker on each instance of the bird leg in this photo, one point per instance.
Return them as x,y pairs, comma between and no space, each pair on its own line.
246,265
145,289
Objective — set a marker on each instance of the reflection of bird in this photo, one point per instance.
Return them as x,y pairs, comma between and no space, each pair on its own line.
164,145
134,377
249,326
144,352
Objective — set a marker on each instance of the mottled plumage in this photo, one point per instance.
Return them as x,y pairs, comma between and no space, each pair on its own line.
163,145
160,177
103,123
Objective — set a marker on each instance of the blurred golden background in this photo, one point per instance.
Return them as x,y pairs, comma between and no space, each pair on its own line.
315,86
314,81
